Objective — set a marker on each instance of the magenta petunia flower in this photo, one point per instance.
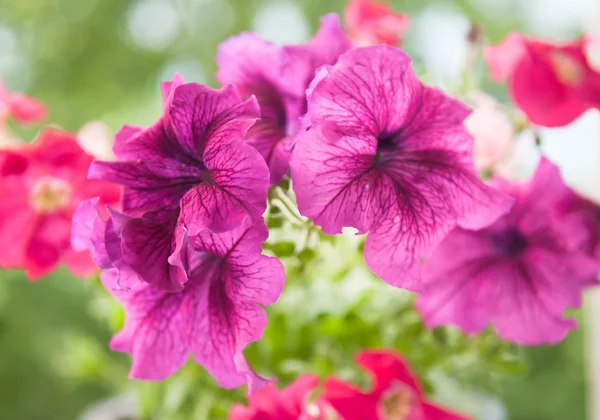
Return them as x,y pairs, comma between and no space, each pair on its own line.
219,311
189,171
370,22
391,157
395,393
278,77
553,84
289,403
41,184
519,274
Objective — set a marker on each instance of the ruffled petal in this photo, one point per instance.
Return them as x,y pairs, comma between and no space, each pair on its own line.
147,244
202,115
235,187
371,90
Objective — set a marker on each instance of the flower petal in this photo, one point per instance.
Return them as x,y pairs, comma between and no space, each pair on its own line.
201,115
504,58
372,90
388,367
235,187
147,244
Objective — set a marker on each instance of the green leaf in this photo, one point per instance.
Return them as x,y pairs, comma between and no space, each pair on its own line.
283,249
307,255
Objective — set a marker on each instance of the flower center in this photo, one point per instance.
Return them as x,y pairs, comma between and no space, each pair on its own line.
385,143
50,194
568,70
510,242
397,403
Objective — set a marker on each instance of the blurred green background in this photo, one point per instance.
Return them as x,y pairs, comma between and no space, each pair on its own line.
102,60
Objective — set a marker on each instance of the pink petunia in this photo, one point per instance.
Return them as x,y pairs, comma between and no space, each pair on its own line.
218,312
391,157
491,128
395,393
24,109
519,274
278,77
553,84
370,22
290,403
41,184
191,170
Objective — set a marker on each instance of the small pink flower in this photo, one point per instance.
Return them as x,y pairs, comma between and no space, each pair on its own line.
41,184
372,22
521,273
395,394
553,84
491,128
289,403
24,109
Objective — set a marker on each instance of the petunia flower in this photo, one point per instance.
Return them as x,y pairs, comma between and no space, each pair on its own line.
553,84
278,76
290,403
41,184
370,22
24,109
391,157
395,394
218,312
519,274
191,170
491,128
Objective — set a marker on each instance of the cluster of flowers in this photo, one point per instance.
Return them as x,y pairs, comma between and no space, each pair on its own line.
395,394
366,145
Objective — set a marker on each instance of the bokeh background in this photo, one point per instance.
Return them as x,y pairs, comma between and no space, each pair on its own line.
102,60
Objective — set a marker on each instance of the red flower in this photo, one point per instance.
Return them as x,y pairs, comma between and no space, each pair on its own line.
395,395
290,403
374,23
553,84
41,184
24,109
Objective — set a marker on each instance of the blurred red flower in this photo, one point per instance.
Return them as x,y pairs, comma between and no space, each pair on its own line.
371,22
290,403
395,395
553,84
41,184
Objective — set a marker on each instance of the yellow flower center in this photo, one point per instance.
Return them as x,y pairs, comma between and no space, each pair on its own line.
396,403
50,194
567,69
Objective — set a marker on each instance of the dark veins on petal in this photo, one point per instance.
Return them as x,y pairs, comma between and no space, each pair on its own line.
509,241
271,104
173,148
